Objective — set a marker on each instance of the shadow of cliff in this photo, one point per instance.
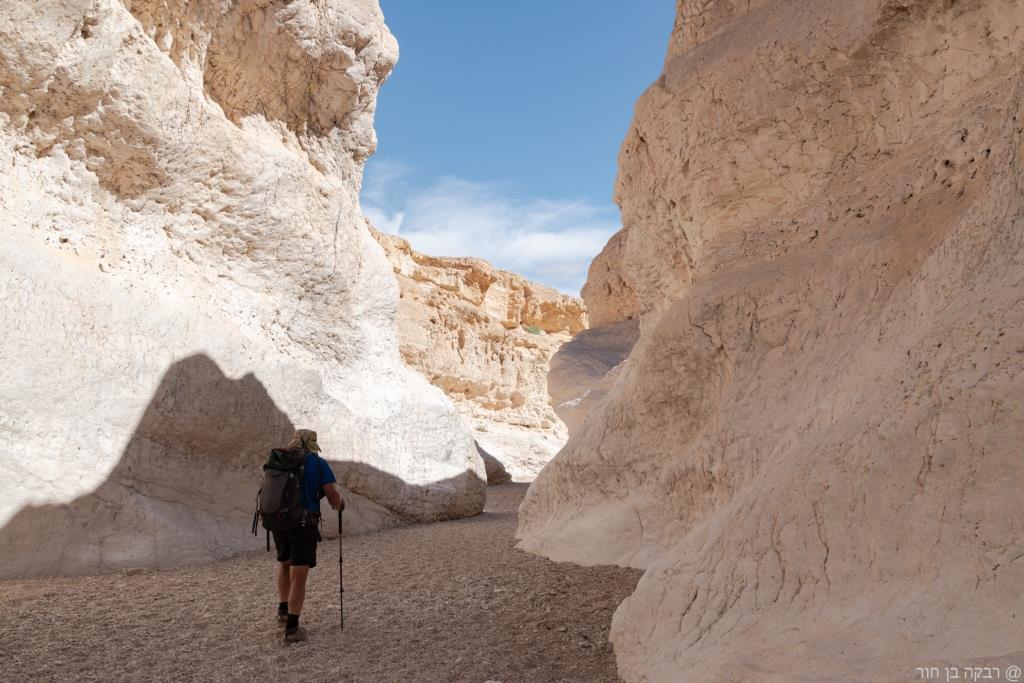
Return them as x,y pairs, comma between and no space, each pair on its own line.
184,488
185,473
582,370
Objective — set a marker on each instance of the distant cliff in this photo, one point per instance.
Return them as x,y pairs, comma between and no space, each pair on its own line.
486,336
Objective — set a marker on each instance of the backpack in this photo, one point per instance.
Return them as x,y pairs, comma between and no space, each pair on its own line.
279,500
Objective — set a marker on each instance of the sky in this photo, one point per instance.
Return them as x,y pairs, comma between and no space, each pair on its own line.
499,130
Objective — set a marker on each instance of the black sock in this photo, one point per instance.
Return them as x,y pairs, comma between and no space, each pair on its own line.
282,608
293,622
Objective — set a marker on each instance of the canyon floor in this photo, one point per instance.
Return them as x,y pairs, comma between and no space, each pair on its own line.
452,601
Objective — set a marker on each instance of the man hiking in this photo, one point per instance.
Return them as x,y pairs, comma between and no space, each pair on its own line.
296,532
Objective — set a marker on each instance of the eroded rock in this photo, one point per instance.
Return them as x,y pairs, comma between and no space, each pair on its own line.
610,297
814,448
185,275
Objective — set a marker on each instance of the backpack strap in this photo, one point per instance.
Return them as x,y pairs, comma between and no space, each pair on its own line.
302,493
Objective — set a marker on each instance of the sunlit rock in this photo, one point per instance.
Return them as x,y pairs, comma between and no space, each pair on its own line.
814,449
185,275
486,336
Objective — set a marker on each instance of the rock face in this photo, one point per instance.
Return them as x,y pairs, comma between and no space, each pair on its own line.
608,287
178,197
486,337
814,449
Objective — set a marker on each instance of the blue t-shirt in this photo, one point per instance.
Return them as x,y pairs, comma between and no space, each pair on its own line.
315,475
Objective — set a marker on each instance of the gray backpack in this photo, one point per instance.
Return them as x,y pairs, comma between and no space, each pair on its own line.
279,500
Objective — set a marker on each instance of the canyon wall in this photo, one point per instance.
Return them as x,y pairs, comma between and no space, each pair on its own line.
486,337
185,276
814,449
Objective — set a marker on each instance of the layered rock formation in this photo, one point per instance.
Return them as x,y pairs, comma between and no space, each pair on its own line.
814,448
486,337
178,195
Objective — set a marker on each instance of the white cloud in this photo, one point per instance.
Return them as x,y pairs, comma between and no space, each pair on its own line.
381,176
546,240
382,221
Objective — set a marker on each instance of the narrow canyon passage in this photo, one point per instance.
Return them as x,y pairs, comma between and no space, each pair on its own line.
452,601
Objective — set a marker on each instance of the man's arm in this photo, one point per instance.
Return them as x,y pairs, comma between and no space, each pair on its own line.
333,497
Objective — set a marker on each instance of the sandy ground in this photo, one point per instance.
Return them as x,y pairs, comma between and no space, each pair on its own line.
442,602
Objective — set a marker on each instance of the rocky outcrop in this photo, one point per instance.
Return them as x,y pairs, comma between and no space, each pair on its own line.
607,288
813,449
185,276
486,337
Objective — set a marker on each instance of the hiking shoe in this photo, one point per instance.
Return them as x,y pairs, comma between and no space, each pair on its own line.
282,618
296,636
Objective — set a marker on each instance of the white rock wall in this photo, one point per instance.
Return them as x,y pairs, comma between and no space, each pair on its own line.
186,275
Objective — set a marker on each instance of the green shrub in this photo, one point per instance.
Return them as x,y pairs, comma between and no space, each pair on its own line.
532,329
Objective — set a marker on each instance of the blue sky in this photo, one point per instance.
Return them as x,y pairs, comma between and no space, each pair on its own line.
500,127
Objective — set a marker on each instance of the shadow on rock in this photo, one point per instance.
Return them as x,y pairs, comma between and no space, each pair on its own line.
184,489
179,493
584,369
496,472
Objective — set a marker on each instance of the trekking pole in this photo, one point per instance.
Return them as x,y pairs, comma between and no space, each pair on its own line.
341,589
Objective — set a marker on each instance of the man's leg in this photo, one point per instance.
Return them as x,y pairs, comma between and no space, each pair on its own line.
284,582
297,595
284,563
284,585
303,559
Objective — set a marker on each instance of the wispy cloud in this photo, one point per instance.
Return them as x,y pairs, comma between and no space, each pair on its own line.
550,241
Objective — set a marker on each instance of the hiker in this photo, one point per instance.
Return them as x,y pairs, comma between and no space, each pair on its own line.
296,535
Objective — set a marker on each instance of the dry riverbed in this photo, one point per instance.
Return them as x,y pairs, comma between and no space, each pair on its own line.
453,601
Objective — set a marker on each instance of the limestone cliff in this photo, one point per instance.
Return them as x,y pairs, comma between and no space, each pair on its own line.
814,447
608,289
185,276
486,337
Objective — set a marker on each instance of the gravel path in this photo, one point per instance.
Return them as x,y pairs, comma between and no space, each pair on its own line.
452,601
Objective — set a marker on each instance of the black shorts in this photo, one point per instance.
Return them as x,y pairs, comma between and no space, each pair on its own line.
297,546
